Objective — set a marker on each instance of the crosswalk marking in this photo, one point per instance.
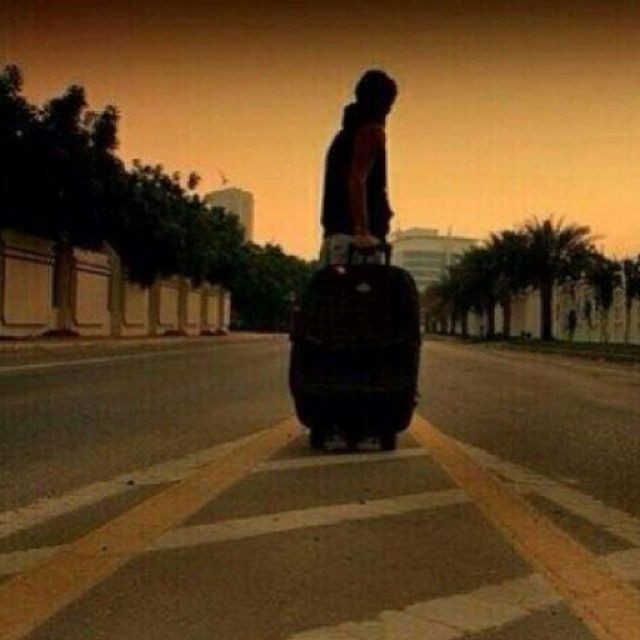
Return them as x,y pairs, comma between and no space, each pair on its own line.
241,528
343,458
306,518
449,617
531,593
432,619
46,509
166,472
609,606
50,586
617,522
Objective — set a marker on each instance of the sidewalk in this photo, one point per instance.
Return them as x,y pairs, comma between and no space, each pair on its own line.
609,352
621,353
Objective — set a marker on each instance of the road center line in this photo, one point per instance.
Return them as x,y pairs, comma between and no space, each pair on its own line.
30,598
609,606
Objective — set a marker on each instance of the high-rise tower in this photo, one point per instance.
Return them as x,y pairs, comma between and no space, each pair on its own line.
238,202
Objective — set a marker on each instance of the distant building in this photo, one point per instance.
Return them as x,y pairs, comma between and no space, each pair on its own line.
425,254
237,201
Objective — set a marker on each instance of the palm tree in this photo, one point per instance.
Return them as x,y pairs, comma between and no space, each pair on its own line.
603,275
438,304
509,249
478,272
554,251
631,279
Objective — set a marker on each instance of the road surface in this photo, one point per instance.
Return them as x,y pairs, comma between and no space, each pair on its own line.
164,492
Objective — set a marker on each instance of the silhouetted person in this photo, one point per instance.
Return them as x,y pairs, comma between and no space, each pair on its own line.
355,207
572,323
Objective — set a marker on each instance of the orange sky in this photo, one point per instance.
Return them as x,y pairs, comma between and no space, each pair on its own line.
505,109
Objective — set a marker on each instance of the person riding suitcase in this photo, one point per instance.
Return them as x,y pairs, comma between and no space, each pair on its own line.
355,339
355,205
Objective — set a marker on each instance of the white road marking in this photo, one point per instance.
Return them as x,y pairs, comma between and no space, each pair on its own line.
449,617
304,518
625,563
47,508
459,615
345,458
446,618
43,366
617,522
173,470
19,561
241,528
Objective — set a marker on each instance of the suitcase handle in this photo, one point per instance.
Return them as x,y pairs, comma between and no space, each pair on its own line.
383,247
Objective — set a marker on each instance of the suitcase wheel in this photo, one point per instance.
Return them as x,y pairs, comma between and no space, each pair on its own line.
317,439
388,440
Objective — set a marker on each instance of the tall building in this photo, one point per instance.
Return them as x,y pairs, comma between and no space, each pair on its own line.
426,254
237,201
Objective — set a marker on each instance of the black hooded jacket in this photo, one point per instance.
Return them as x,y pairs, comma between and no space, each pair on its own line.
336,205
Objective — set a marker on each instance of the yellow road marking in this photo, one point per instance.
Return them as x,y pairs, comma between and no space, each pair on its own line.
609,606
30,598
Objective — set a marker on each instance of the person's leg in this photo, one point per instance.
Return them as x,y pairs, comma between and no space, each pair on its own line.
324,259
335,250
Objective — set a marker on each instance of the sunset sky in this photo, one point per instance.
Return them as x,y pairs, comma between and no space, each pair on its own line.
505,109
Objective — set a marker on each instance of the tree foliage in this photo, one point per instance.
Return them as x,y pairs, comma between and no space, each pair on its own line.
60,178
266,288
539,254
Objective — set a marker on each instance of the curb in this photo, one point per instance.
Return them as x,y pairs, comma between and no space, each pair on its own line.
60,344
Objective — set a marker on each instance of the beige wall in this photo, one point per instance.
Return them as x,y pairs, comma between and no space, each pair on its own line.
226,310
611,326
93,271
212,315
601,325
168,307
193,311
135,311
26,275
634,324
99,301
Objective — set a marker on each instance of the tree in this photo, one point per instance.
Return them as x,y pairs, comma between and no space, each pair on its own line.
75,164
509,251
631,282
226,253
58,170
603,275
149,232
17,131
439,305
554,251
477,274
265,288
60,178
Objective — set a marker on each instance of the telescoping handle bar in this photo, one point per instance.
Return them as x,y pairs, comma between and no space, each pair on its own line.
382,247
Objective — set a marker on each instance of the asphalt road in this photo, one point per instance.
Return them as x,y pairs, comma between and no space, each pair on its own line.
126,511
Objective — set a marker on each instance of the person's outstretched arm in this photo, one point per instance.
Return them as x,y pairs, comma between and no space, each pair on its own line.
369,141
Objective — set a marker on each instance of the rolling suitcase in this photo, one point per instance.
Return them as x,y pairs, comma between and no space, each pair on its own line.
355,352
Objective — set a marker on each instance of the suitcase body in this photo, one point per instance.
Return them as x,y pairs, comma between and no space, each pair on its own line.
355,353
